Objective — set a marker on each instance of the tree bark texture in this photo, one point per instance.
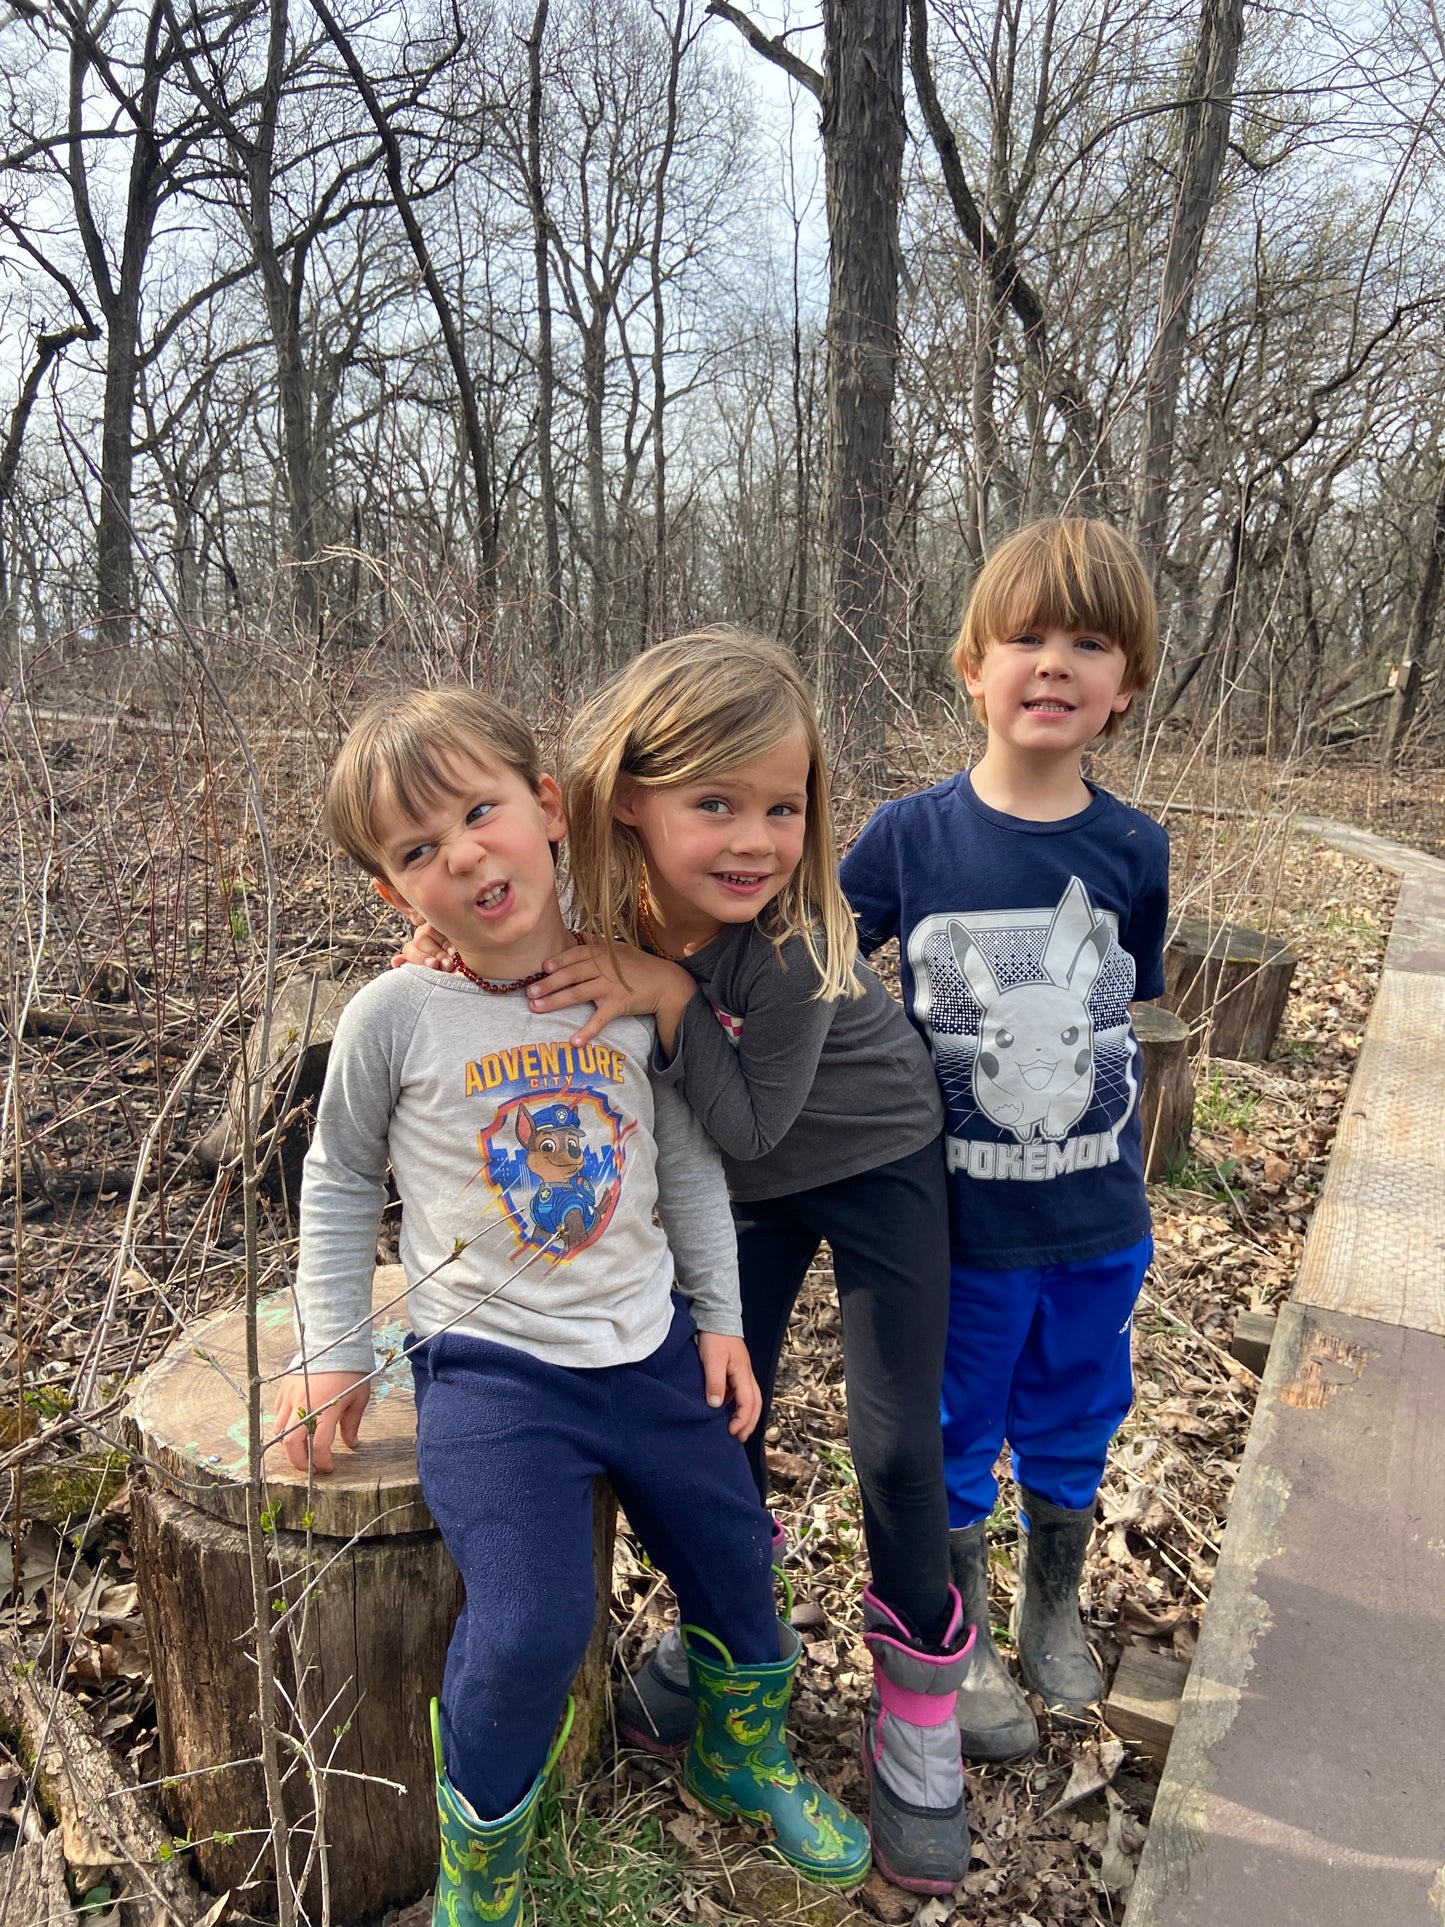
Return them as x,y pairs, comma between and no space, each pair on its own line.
1166,1088
1203,143
376,1640
546,367
1406,692
1231,984
863,134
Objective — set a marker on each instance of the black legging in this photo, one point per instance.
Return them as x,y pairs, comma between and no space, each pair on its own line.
888,1229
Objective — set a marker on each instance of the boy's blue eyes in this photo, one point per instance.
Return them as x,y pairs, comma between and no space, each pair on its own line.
474,815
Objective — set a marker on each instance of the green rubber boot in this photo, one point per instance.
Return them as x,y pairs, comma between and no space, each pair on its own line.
483,1861
738,1762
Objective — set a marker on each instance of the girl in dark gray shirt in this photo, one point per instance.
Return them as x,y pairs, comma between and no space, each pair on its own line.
701,842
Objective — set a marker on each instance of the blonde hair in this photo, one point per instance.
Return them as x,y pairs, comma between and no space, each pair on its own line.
1069,572
409,744
692,707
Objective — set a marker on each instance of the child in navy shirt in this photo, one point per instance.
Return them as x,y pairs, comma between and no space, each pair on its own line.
1030,909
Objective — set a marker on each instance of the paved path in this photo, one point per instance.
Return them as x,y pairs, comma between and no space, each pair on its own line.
1305,1785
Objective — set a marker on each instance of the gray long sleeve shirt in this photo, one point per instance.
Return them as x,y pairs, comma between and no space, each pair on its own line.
797,1091
528,1171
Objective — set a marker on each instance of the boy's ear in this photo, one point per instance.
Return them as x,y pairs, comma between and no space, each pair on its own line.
1122,701
553,807
390,894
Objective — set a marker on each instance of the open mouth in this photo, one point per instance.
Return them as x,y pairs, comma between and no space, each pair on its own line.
740,879
494,897
1049,706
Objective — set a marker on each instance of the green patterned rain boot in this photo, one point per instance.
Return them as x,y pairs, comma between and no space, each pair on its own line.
738,1762
483,1861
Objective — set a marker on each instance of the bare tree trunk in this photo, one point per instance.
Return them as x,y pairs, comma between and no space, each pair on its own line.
1422,625
801,632
282,295
47,348
1204,139
476,443
1221,620
661,597
546,366
599,539
863,133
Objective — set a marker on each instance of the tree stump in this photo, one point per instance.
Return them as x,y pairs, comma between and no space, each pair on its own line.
1166,1090
302,1026
1229,983
369,1646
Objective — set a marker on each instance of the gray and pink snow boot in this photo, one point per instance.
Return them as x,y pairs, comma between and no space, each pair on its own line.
916,1811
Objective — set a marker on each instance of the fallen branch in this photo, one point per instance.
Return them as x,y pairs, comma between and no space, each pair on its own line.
106,1824
114,1028
32,1884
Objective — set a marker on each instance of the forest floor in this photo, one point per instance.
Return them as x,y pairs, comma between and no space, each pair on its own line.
146,918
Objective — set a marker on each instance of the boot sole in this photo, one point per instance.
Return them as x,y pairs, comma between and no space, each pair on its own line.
980,1753
1071,1708
910,1883
819,1878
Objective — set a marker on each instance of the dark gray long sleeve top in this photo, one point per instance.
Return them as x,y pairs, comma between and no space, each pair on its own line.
795,1090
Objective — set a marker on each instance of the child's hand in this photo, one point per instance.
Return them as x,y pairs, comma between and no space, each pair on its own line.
640,986
426,945
323,1401
728,1375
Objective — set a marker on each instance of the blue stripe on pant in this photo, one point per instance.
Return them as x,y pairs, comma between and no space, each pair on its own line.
1039,1357
507,1448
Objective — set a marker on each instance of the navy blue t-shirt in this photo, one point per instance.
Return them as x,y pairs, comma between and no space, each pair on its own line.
1022,946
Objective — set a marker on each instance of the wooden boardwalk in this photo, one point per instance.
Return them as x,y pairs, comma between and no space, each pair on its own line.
1305,1781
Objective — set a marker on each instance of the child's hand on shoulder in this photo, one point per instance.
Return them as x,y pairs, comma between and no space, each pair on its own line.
426,946
728,1376
638,985
317,1405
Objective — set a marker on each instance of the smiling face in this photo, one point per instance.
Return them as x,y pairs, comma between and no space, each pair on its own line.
1047,689
718,850
478,864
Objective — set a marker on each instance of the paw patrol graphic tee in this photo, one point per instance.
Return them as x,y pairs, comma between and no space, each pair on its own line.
528,1170
1022,946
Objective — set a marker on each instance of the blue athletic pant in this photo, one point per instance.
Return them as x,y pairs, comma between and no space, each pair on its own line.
1039,1357
888,1230
507,1448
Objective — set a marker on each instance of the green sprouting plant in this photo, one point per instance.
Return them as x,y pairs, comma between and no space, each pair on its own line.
233,896
1221,1106
1210,1179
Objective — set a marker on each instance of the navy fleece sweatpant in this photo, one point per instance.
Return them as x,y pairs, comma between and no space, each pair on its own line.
507,1449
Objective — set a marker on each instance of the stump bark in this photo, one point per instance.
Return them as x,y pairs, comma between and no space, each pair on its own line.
1228,983
1166,1092
365,1653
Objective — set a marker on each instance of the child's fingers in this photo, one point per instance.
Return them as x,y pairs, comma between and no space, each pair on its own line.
747,1406
297,1436
552,995
352,1409
715,1376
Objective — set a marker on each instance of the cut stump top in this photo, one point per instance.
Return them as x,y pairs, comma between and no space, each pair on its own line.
190,1414
1225,943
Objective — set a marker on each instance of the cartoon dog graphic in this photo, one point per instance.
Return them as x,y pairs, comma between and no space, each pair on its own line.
1034,1071
565,1205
